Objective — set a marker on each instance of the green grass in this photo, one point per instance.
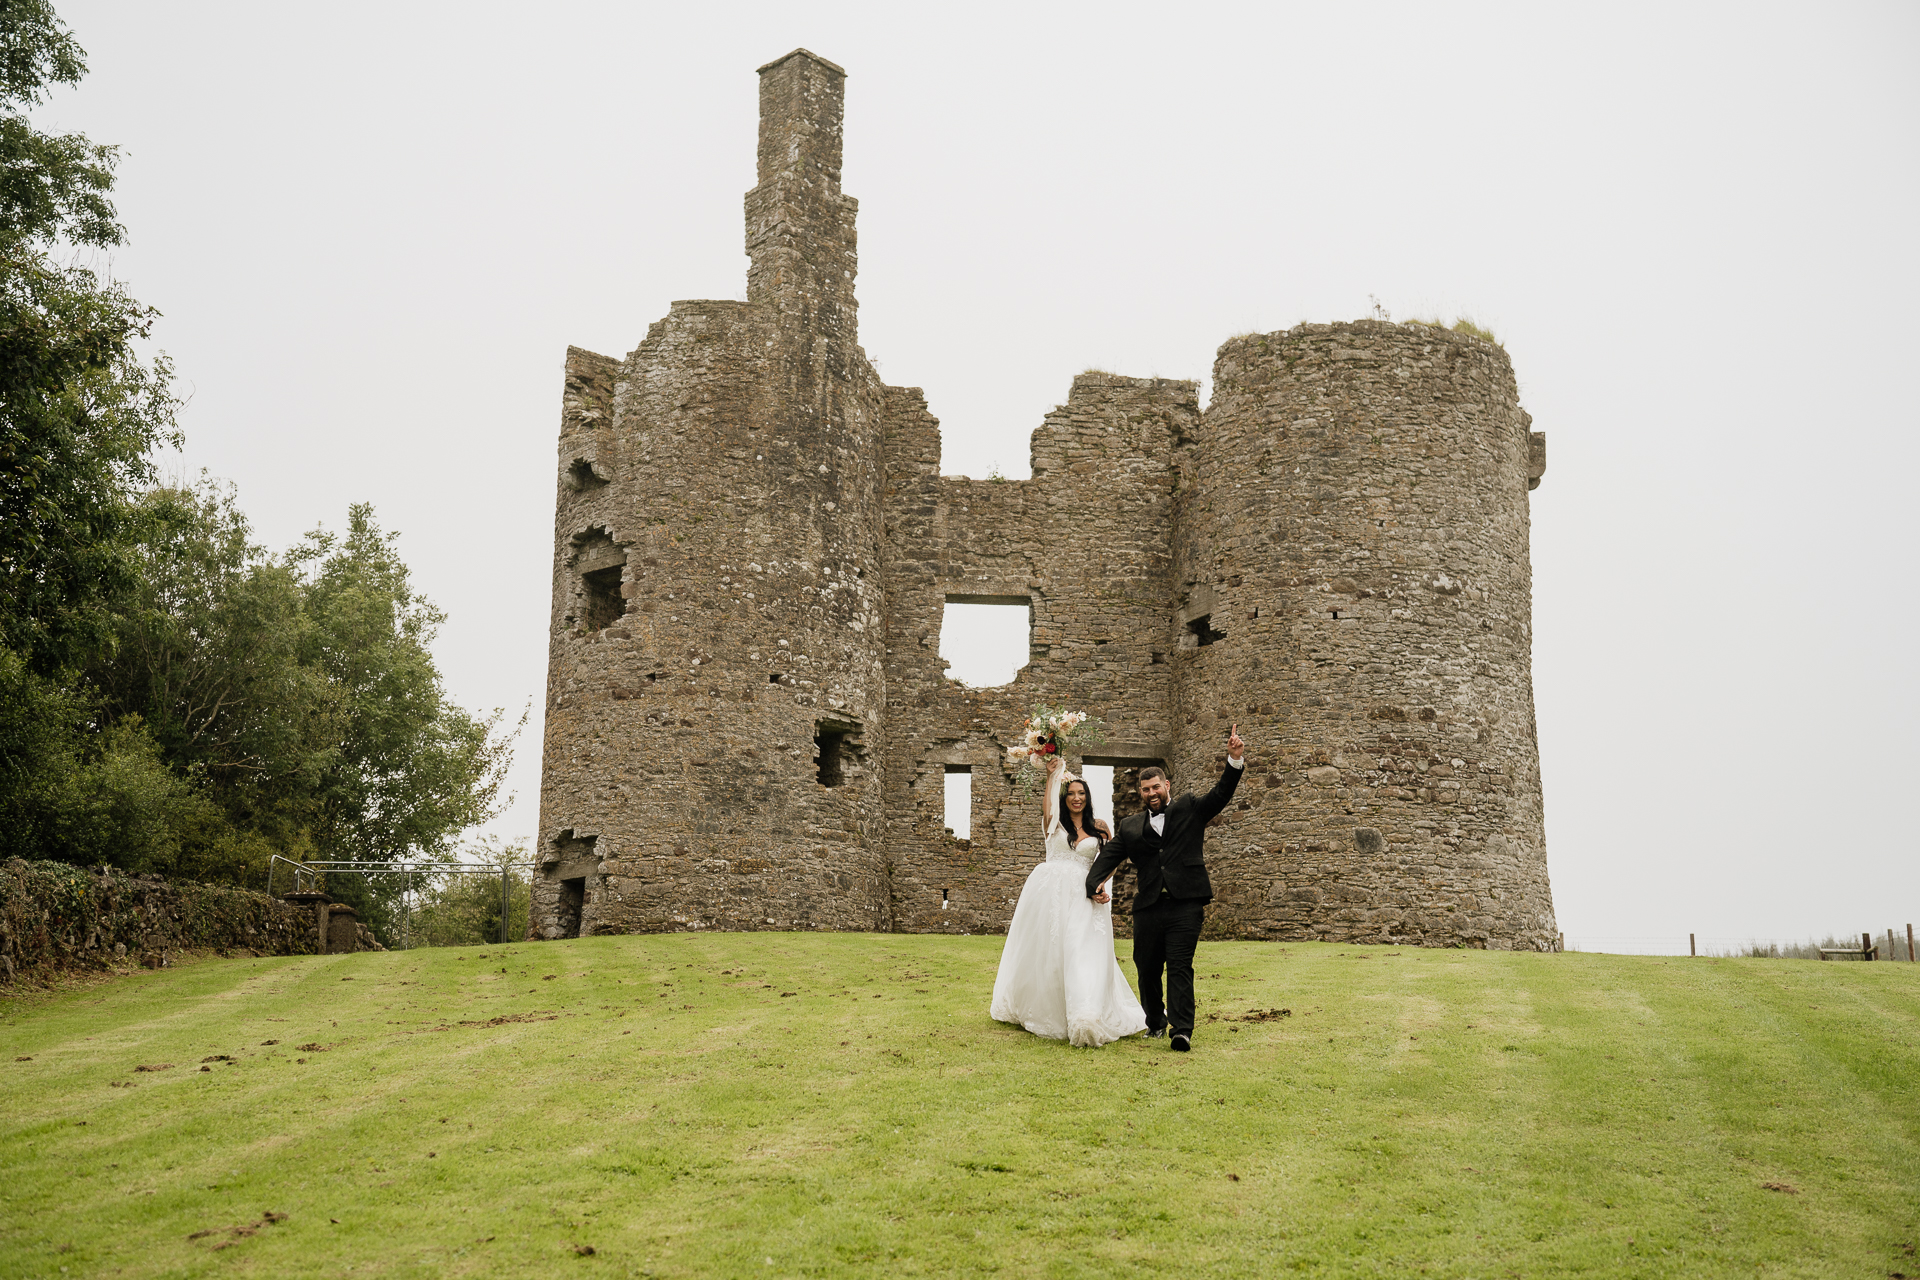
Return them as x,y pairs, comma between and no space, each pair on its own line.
1420,1113
1463,325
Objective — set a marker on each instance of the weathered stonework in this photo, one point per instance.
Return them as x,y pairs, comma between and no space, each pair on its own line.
748,720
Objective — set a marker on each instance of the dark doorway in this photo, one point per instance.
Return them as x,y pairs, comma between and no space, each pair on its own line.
573,902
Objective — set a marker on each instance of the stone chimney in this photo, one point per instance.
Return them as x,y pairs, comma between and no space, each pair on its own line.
800,236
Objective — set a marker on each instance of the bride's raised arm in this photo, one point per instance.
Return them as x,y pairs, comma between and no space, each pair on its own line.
1050,799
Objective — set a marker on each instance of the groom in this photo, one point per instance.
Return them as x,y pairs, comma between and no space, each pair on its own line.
1165,844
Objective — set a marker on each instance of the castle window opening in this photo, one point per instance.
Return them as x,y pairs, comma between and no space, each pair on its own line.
1200,631
986,640
1099,780
959,801
601,563
604,605
838,751
582,477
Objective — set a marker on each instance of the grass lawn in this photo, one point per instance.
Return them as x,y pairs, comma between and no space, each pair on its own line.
839,1104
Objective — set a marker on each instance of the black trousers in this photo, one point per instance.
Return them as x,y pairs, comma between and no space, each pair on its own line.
1165,936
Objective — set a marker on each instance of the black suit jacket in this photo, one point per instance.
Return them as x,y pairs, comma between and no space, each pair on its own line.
1174,861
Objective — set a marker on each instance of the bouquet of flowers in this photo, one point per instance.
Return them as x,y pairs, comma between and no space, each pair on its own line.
1051,731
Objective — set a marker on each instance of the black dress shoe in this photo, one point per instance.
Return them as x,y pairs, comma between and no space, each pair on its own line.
1182,1044
1154,1033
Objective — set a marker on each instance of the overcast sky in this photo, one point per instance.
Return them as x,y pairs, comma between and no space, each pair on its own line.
373,229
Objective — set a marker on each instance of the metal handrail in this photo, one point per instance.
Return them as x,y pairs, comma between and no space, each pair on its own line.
309,873
316,868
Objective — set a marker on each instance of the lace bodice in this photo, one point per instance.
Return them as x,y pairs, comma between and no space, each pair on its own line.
1058,851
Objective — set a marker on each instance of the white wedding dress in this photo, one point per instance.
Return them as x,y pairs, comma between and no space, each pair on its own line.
1058,977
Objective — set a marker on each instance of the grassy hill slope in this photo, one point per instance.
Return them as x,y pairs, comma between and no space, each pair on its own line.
827,1105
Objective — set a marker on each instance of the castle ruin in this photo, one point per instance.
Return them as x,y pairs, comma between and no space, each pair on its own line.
748,723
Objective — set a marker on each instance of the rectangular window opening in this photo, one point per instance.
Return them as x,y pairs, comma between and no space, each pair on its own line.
839,752
959,801
986,640
604,605
601,563
1099,779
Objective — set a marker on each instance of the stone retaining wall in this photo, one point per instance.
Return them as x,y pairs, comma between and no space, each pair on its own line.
55,916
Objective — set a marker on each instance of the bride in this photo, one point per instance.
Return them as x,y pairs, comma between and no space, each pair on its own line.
1058,977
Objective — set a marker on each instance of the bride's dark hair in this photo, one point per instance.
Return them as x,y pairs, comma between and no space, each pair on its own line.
1075,833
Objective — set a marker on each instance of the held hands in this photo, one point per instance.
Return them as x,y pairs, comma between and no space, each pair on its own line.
1103,895
1235,747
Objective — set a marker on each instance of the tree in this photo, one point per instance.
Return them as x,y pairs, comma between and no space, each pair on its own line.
299,693
462,909
172,698
79,414
411,769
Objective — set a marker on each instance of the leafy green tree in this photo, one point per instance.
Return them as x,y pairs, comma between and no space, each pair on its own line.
412,770
50,187
210,653
80,412
79,415
298,693
172,698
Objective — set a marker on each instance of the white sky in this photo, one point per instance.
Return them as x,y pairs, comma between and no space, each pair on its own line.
373,229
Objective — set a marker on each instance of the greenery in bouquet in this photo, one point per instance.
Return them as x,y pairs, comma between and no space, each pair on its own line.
1048,732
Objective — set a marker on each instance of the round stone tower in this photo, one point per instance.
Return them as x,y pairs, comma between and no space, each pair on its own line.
1352,544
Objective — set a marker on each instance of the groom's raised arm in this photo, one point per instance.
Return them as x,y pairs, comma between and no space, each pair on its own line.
1215,800
1111,856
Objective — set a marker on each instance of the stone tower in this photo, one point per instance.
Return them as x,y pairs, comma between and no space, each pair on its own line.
714,695
748,721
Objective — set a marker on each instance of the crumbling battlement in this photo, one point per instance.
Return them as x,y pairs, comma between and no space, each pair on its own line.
748,720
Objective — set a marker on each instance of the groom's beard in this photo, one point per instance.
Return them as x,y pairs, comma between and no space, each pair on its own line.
1155,806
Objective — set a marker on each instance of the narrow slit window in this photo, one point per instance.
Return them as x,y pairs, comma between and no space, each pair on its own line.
986,640
959,801
827,744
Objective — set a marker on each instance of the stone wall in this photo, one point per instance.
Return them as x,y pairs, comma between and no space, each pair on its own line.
54,916
748,720
1083,545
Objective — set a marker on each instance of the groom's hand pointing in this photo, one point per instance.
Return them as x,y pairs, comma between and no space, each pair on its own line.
1235,747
